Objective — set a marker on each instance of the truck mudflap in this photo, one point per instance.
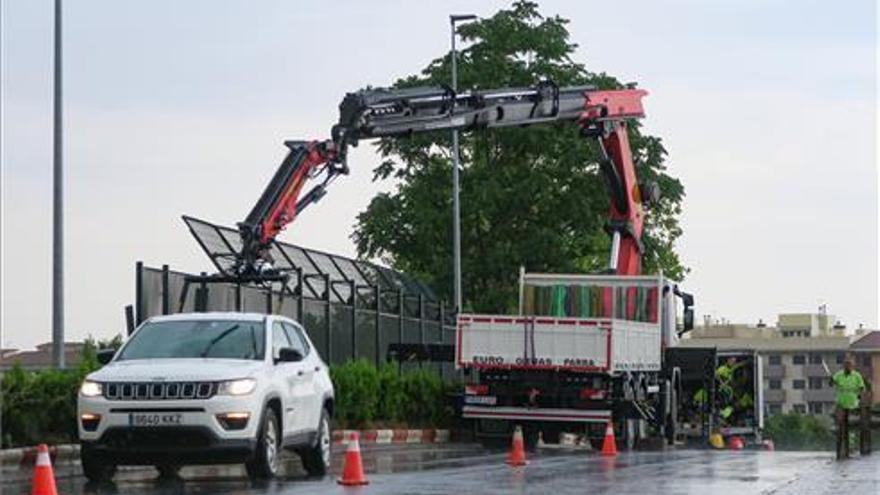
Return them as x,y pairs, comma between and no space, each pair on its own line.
525,413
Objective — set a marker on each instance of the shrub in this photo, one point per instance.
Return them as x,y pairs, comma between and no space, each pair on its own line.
392,395
365,395
800,432
40,406
425,398
357,393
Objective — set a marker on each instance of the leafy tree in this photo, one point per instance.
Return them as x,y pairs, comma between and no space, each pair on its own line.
531,197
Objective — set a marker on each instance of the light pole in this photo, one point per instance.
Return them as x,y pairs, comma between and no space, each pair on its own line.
456,217
57,208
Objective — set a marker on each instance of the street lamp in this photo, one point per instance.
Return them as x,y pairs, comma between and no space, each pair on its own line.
57,205
456,217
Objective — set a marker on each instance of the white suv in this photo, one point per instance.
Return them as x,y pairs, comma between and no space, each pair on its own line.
206,388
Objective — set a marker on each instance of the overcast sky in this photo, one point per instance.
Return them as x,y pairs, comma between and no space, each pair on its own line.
767,108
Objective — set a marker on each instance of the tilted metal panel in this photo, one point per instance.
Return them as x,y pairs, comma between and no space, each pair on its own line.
222,244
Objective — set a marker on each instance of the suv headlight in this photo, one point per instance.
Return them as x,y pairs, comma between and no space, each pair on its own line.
243,386
91,389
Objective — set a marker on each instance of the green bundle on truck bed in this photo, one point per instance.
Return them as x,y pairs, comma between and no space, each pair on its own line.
585,301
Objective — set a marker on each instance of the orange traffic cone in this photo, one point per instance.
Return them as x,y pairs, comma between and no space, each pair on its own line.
352,468
609,446
44,477
517,455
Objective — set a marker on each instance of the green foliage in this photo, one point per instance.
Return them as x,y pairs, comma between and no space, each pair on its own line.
40,406
365,395
529,196
425,398
392,399
799,432
357,393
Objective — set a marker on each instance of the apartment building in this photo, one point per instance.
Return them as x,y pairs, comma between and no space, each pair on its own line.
794,354
795,379
866,353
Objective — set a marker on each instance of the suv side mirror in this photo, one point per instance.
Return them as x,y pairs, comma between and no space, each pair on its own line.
105,355
289,355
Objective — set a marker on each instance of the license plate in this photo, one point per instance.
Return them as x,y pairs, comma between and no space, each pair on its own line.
483,400
155,419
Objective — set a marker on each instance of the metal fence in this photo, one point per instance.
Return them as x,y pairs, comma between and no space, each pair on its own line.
356,320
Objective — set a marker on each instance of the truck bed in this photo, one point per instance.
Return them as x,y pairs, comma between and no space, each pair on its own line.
575,344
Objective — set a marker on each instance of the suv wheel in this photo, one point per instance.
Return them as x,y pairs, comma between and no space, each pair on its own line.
316,460
95,467
264,463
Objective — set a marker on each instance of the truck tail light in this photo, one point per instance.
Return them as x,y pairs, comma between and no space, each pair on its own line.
588,393
476,389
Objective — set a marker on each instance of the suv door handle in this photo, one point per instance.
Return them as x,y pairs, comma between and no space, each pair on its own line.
299,373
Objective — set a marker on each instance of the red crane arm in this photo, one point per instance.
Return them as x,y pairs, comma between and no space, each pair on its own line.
399,112
288,206
603,116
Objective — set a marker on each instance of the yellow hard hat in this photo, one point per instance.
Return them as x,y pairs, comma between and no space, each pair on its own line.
716,440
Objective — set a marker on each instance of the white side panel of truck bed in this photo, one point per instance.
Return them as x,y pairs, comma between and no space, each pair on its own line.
635,346
577,344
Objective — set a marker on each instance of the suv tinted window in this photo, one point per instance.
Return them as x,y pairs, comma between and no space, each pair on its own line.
279,339
227,339
296,339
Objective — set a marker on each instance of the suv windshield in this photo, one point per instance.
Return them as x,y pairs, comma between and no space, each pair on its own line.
197,339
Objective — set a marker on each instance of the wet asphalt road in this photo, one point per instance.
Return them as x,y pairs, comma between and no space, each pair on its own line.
465,469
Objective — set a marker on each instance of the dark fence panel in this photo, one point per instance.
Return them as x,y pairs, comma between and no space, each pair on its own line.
343,329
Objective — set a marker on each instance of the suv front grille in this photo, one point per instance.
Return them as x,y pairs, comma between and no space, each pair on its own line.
159,390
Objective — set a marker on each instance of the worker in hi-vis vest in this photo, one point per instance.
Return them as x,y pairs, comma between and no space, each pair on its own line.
728,388
730,393
848,384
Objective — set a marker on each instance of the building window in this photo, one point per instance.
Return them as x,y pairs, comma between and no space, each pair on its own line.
774,409
799,359
816,383
815,359
815,408
775,359
838,358
798,384
866,361
799,409
775,384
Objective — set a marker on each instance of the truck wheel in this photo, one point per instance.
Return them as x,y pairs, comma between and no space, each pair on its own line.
95,467
551,434
264,463
168,470
316,459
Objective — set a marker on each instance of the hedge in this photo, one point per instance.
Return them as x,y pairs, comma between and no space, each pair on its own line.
40,406
367,396
800,432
